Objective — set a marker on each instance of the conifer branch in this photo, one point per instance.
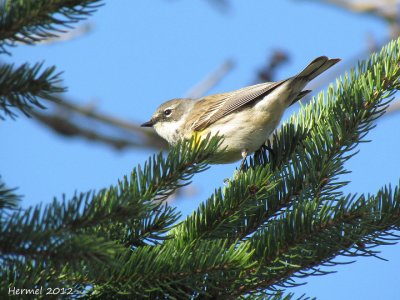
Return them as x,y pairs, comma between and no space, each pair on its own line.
8,199
221,215
180,270
282,218
151,229
311,236
327,132
49,235
150,186
64,234
330,128
21,88
27,274
28,21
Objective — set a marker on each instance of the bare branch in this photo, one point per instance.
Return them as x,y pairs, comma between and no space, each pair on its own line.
67,118
67,128
380,8
61,37
394,107
211,80
223,6
386,9
90,112
275,61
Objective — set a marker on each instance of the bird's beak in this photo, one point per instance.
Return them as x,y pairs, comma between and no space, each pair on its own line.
148,123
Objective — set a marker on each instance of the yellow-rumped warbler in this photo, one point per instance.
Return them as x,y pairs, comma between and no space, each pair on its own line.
244,117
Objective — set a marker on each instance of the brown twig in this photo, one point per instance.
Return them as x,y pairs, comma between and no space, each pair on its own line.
90,112
267,73
67,128
223,6
74,33
394,107
66,118
211,80
380,8
386,9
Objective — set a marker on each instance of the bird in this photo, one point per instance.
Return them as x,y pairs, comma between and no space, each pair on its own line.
245,117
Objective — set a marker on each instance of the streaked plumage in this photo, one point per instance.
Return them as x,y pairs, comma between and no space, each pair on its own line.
246,117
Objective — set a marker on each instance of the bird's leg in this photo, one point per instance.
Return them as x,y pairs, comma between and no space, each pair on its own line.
245,152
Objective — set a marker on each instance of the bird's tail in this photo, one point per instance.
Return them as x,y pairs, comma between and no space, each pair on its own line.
317,66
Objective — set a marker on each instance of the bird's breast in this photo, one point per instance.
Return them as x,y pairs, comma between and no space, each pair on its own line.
246,129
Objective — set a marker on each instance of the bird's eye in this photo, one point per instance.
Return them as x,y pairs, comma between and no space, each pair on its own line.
167,112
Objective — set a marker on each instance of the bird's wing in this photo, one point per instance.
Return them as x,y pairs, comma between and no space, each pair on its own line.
223,104
218,106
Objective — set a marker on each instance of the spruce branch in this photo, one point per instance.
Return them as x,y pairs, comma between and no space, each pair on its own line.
180,270
153,184
28,21
282,218
8,199
22,87
303,164
310,237
26,274
47,235
151,229
330,128
334,126
279,295
64,234
222,214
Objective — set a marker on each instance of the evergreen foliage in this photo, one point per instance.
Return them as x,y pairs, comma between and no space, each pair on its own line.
283,217
31,21
8,199
22,88
93,228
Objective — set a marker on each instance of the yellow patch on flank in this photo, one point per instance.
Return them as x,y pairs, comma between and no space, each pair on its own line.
197,137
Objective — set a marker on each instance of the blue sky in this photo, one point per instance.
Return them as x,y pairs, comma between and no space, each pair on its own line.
142,53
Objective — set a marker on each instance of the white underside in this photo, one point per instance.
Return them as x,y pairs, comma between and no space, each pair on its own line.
250,128
246,129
